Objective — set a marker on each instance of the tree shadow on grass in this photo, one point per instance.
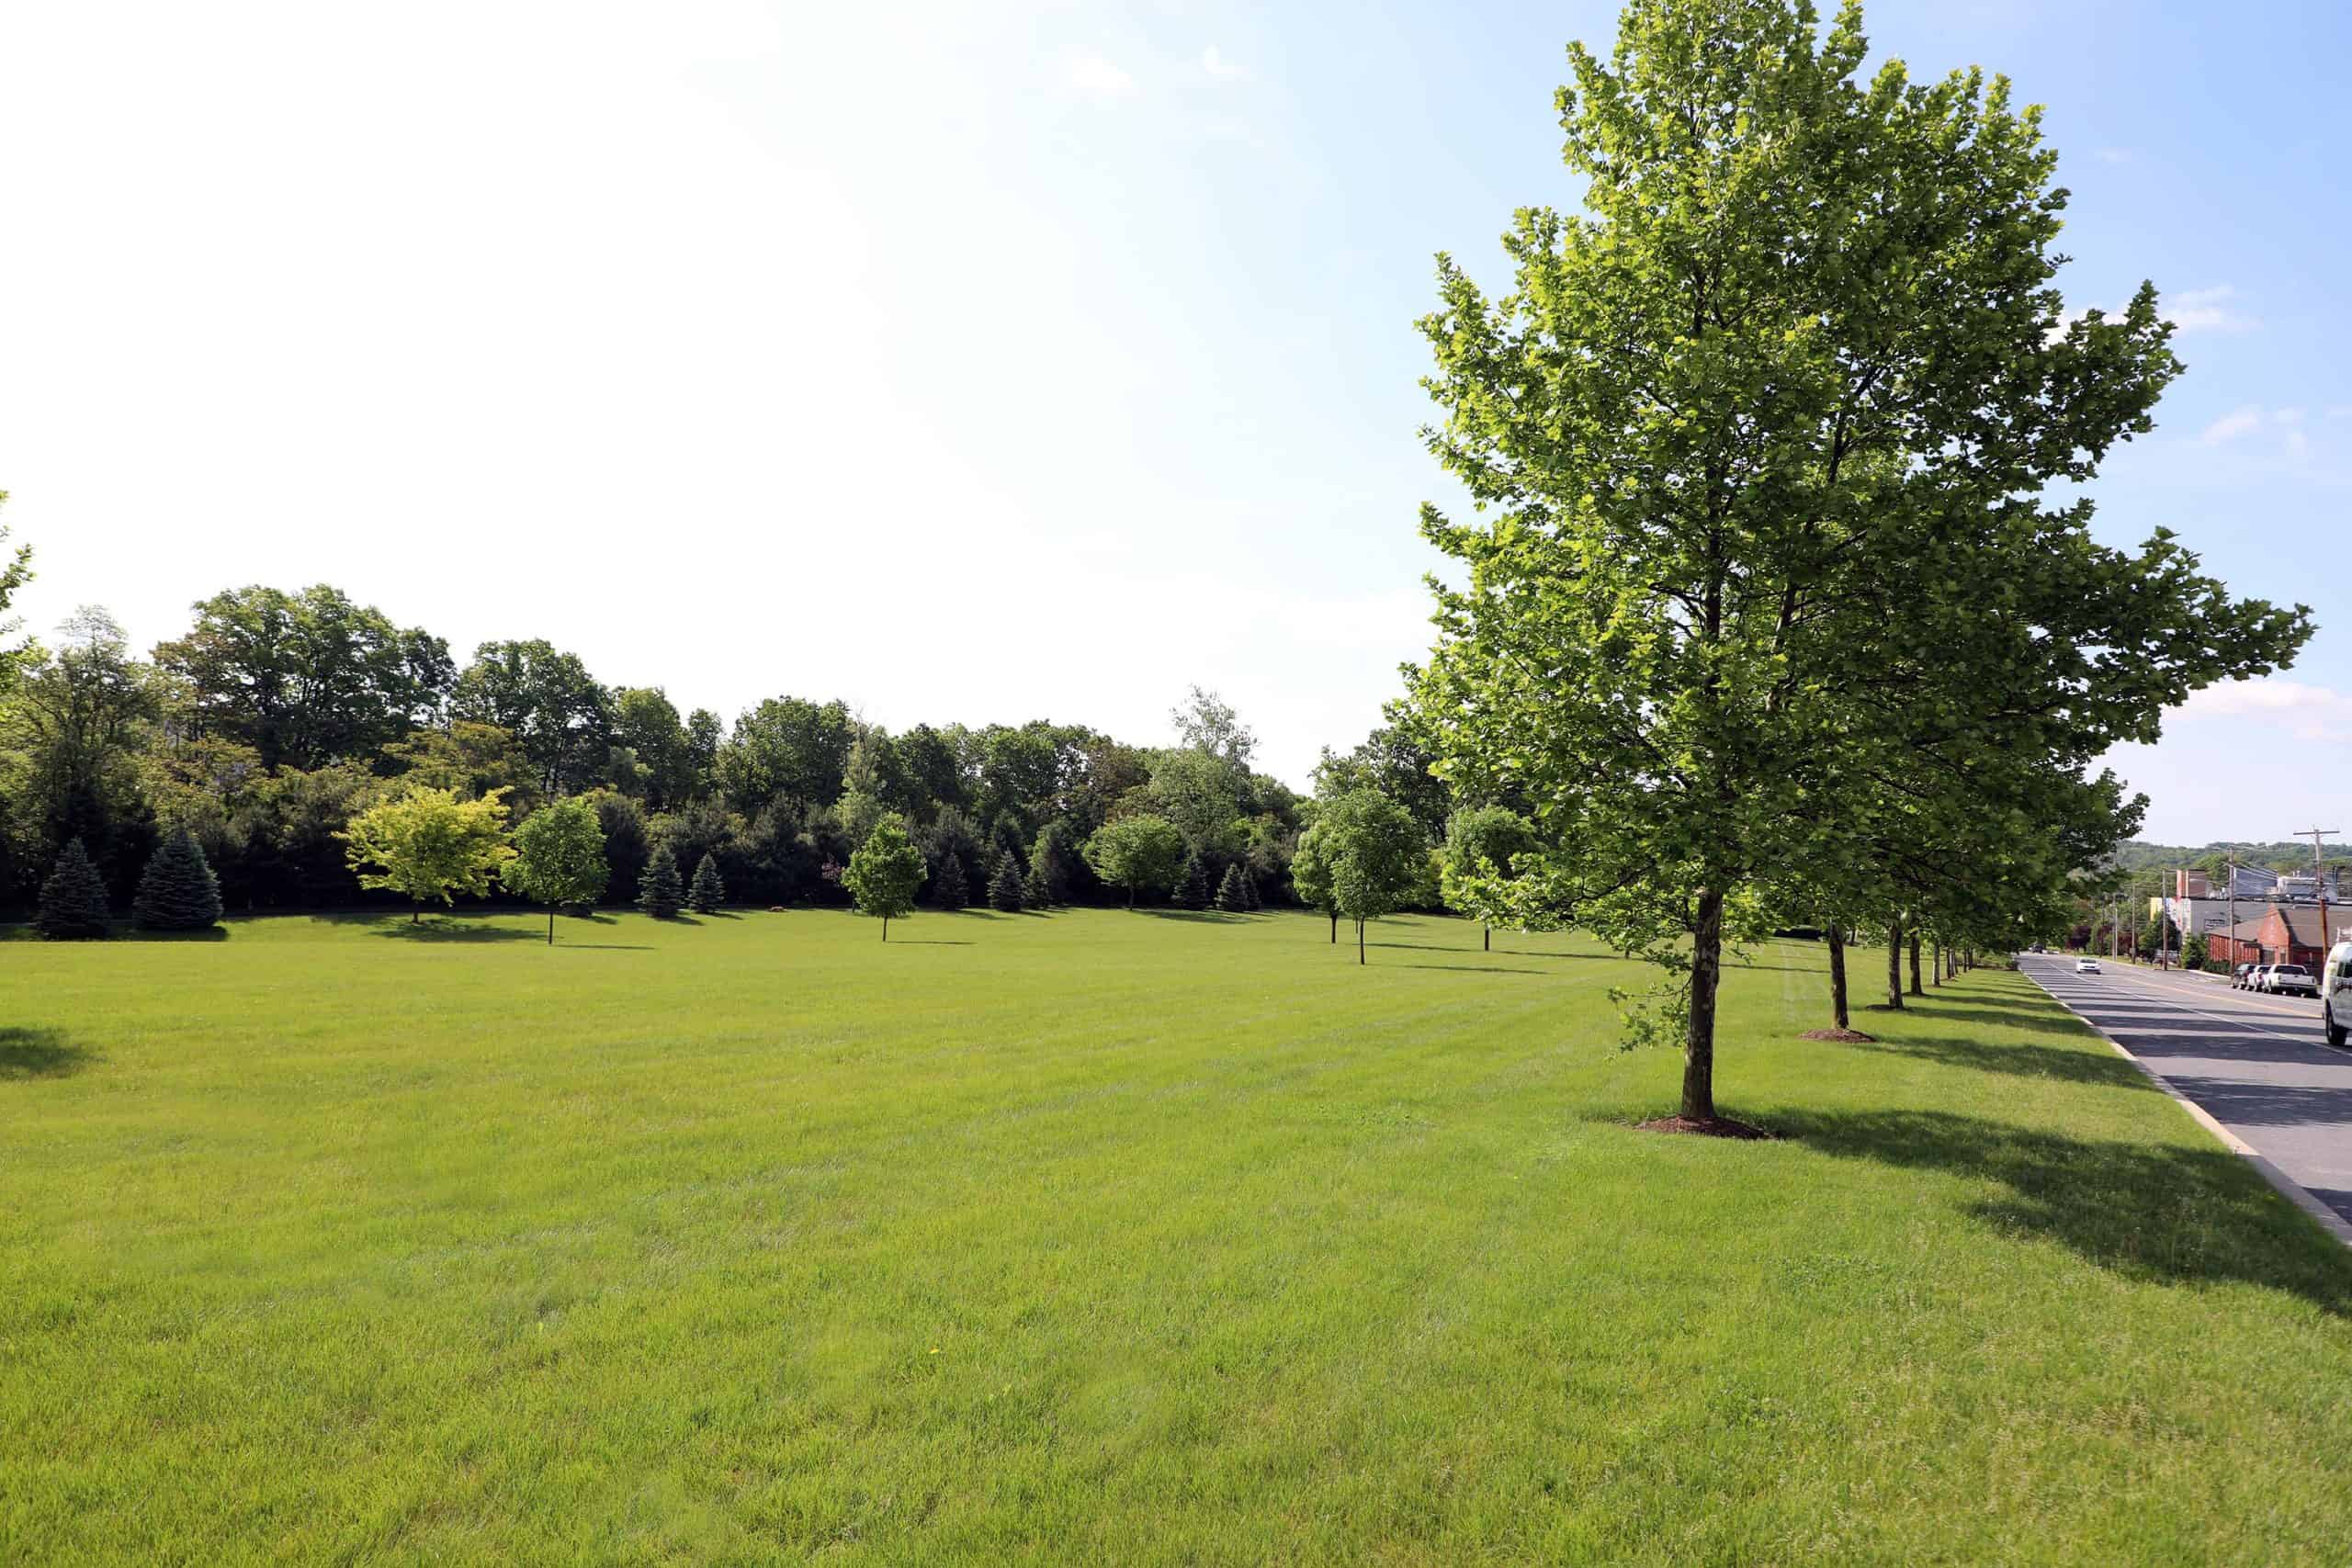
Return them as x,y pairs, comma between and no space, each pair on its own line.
928,942
1203,917
444,929
2101,1067
2035,1018
606,946
40,1054
1466,968
209,933
2154,1211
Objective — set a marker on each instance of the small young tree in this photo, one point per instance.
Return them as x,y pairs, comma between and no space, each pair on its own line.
1136,852
1006,890
74,900
1192,882
660,893
706,893
949,889
1230,894
178,891
1377,856
1310,877
1480,845
429,844
560,858
884,872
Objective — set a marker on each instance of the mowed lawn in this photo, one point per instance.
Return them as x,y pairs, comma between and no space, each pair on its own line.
1111,1237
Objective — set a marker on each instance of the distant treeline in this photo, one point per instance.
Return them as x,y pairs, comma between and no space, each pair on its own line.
2291,857
278,716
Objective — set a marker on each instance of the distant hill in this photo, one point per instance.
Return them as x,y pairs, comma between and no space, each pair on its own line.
2290,857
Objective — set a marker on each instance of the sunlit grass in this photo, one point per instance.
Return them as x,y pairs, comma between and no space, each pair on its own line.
1110,1238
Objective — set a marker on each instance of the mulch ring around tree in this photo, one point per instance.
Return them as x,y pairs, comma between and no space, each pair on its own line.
1842,1036
1706,1127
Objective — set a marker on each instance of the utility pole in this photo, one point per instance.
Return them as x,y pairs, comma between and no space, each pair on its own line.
2234,919
2319,869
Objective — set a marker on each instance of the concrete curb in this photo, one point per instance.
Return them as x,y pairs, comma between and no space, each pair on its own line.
2288,1188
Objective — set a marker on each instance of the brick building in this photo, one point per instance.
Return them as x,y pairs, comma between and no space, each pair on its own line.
2286,933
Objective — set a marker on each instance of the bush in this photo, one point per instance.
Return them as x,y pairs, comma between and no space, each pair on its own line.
74,900
178,891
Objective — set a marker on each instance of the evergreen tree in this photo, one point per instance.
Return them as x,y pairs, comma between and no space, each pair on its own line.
706,892
1231,896
74,899
659,893
178,892
1250,887
1049,866
1005,889
1192,882
949,890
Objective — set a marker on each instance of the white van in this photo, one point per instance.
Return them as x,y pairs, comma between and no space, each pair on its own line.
2336,992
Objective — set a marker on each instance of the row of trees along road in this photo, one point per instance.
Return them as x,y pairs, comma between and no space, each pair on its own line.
1784,603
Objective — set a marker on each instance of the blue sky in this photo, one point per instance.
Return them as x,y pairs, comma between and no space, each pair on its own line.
990,363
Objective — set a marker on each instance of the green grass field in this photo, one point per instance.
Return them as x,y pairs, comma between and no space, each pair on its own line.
1112,1238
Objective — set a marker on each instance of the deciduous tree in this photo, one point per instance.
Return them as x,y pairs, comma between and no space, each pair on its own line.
427,844
560,858
1136,852
884,874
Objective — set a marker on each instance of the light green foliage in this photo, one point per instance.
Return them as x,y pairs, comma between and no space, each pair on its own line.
426,843
1479,858
1201,795
1224,1256
15,570
560,857
472,758
1760,444
884,872
1140,852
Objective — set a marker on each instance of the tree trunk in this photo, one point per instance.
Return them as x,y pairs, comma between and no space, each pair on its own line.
885,928
1936,961
1837,977
1698,1045
1335,927
1894,965
1486,939
1916,990
416,914
1359,939
550,925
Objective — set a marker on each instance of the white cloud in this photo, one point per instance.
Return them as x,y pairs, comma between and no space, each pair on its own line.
1092,76
1218,66
2207,310
2305,711
2230,426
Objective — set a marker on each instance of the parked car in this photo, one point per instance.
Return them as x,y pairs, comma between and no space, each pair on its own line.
2086,965
2243,975
2290,980
2335,996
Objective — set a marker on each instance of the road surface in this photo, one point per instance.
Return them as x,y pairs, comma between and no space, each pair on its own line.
2256,1064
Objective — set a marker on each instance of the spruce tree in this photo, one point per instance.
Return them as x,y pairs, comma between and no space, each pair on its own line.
948,889
1005,889
1192,882
706,892
178,891
1254,901
1230,896
659,893
74,899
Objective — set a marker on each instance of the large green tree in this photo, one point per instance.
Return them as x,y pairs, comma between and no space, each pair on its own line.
787,749
559,858
305,679
1136,852
1482,847
556,710
79,716
1368,855
1763,444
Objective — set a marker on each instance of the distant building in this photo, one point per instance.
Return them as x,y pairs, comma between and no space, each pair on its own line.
2282,933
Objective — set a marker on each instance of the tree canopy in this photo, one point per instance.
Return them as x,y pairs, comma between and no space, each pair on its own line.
560,857
884,872
427,844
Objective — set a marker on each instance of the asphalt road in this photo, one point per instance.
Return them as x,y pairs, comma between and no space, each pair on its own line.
2256,1064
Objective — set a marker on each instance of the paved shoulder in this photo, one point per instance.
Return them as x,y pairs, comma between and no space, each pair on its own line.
2258,1064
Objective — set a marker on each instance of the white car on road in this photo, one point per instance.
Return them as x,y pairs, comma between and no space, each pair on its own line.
2086,965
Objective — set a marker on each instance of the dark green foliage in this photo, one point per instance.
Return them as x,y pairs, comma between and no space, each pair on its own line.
659,893
1050,861
1192,882
707,893
951,839
1232,894
178,892
1005,889
949,890
1249,887
74,899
